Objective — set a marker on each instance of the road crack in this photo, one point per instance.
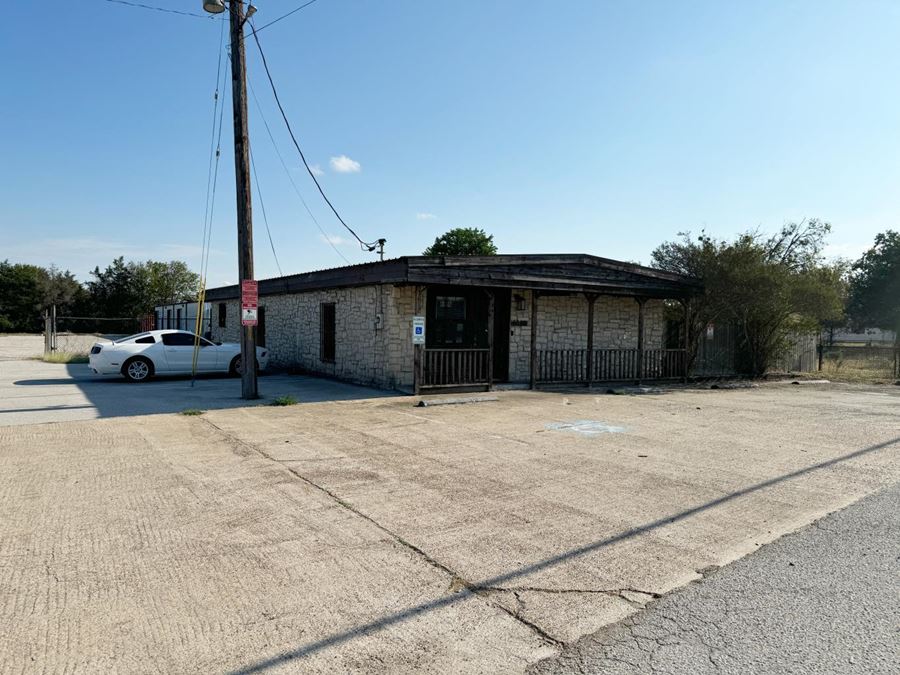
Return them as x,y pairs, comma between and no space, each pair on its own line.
458,584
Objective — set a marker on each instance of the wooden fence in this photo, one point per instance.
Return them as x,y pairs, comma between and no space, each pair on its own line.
455,367
609,365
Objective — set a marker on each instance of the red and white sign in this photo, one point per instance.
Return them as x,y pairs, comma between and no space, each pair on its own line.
249,302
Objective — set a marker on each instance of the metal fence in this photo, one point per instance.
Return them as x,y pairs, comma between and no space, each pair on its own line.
799,355
860,362
76,334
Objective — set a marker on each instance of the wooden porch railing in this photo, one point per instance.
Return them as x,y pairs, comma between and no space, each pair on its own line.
609,365
455,367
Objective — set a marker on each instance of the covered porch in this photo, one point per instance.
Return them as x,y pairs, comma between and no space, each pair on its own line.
580,320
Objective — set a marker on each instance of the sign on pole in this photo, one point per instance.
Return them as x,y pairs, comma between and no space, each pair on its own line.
249,302
418,330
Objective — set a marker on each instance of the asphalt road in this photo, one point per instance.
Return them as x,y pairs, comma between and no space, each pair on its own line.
823,600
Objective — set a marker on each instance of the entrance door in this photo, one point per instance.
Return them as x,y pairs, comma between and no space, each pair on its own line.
501,334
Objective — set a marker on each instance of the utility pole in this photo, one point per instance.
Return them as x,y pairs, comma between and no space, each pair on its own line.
249,388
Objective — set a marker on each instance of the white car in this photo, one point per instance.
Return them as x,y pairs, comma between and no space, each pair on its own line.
167,352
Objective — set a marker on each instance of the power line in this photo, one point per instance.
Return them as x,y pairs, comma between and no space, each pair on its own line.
162,9
284,16
287,172
214,153
370,246
265,217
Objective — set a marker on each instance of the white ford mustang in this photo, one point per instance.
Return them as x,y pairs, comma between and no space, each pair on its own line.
167,352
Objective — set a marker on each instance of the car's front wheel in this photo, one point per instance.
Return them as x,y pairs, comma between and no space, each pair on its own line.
137,369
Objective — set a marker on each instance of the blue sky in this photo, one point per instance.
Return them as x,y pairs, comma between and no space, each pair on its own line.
573,126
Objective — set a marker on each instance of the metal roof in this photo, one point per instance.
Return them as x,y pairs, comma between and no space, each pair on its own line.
567,272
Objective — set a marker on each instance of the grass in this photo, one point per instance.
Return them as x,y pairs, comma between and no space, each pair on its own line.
857,371
191,412
284,400
65,357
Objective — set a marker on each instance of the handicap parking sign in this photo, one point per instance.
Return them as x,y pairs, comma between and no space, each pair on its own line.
418,334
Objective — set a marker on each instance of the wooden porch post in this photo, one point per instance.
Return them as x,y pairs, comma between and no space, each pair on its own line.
533,363
640,336
490,360
417,349
591,298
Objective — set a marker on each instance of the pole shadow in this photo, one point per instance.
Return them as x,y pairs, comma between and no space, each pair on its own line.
500,580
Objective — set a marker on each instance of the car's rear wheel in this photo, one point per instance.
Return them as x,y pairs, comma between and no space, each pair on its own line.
236,367
137,369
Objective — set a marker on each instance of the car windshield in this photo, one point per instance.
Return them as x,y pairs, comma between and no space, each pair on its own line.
132,337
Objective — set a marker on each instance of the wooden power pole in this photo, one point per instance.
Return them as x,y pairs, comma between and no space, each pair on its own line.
249,388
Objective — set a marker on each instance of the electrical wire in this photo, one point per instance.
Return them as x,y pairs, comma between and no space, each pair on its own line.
287,172
164,9
284,16
265,217
370,246
214,151
212,176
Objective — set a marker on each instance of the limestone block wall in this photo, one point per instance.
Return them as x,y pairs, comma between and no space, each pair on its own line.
364,352
562,324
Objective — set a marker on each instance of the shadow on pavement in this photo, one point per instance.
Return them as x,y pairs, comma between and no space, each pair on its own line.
471,588
33,397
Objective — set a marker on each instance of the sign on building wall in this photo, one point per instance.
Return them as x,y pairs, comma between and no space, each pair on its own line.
418,330
249,302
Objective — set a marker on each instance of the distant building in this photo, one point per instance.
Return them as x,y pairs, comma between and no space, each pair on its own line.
873,336
182,316
428,323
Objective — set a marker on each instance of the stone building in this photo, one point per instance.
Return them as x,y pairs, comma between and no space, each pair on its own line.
488,320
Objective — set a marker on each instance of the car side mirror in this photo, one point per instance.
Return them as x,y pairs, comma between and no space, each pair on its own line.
218,344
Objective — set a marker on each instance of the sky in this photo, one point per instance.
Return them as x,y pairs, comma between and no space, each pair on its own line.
574,126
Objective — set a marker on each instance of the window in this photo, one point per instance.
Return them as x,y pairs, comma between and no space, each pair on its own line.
449,308
168,319
327,332
223,312
450,320
146,340
179,340
178,319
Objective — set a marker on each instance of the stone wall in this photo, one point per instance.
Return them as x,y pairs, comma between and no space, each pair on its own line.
383,356
562,324
364,352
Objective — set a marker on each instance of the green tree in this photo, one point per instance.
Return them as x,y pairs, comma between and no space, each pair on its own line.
27,290
135,288
874,297
463,241
768,286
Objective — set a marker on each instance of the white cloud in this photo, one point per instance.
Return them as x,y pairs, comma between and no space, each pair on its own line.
316,170
334,239
425,216
343,164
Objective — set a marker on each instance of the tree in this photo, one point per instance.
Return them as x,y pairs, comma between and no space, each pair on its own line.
27,290
874,297
769,287
167,282
135,288
463,241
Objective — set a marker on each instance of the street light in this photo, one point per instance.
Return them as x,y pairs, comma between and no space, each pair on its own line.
214,6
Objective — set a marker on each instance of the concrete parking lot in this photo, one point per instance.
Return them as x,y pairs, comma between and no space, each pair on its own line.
372,535
33,392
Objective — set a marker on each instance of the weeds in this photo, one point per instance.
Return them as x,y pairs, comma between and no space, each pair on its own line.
284,400
190,412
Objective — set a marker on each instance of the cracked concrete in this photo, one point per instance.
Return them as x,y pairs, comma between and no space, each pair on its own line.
359,536
822,600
